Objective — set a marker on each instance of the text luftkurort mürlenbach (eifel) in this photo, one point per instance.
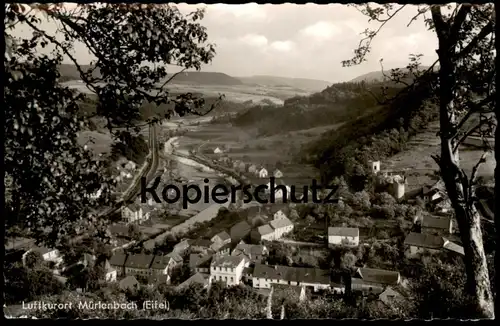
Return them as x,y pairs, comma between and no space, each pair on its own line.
220,192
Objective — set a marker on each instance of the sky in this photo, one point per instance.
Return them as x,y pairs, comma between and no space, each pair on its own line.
303,41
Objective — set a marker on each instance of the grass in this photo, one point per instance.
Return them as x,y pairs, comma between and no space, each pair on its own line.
98,142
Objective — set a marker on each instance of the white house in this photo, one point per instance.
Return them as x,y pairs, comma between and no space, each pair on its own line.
281,227
130,165
263,232
262,173
343,236
218,151
264,276
279,215
252,168
278,174
228,269
134,214
48,254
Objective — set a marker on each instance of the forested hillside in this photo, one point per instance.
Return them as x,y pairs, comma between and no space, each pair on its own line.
382,132
337,103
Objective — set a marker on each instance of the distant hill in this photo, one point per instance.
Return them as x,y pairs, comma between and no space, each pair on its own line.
206,78
69,72
378,76
313,85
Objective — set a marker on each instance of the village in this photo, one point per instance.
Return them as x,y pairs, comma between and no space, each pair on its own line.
242,253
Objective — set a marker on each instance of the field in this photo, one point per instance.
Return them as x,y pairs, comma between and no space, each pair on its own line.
417,158
98,142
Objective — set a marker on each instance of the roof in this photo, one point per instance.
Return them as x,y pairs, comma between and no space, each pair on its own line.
454,247
118,259
197,260
249,249
198,278
424,240
139,261
343,232
378,275
281,223
227,261
184,244
217,247
175,257
223,236
160,262
436,222
265,229
119,230
128,281
248,271
43,250
240,229
293,274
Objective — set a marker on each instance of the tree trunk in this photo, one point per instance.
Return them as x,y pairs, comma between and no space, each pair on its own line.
497,205
469,220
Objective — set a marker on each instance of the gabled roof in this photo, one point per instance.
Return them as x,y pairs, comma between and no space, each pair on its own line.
454,247
160,262
292,274
381,276
200,261
265,229
175,257
436,222
240,229
227,261
424,240
128,282
139,261
249,249
281,223
223,236
343,232
118,259
198,278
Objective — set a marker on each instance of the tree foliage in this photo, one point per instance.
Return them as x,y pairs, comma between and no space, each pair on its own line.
50,173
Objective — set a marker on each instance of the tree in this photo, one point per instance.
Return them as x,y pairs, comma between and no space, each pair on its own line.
33,259
464,87
131,44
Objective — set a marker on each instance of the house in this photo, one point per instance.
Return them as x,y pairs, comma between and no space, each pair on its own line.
130,165
264,276
374,280
48,254
201,245
117,261
218,151
228,269
183,246
240,231
417,243
110,273
254,253
252,168
138,264
348,237
221,249
161,265
175,259
437,225
197,278
133,213
262,173
119,231
389,296
129,283
451,246
278,174
263,233
281,190
221,237
430,194
200,263
281,227
279,215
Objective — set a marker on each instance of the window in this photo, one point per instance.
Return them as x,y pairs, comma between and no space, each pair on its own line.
231,278
289,283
